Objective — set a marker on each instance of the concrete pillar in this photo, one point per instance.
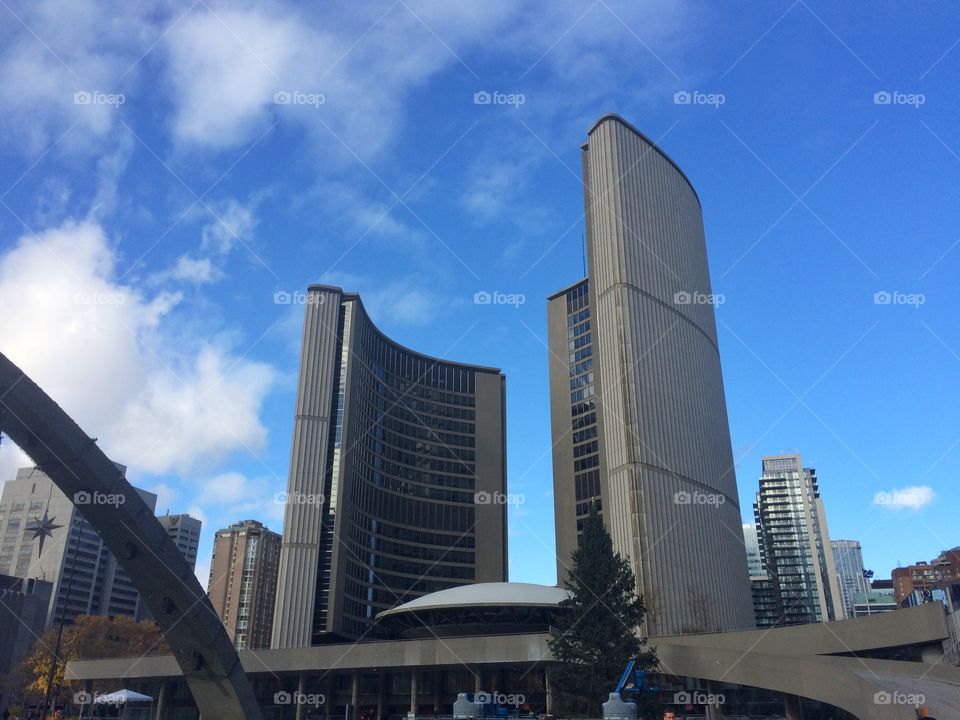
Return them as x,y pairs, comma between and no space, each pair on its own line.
792,707
931,654
715,711
383,687
548,687
437,679
161,700
355,696
330,696
413,690
88,692
477,679
301,691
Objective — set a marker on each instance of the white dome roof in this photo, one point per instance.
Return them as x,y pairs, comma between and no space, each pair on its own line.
505,594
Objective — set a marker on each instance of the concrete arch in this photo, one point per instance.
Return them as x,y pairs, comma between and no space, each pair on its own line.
164,578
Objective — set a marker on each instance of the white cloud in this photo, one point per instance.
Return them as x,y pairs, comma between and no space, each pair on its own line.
160,404
493,187
232,223
404,302
913,497
11,459
196,270
209,71
52,49
232,496
166,498
225,66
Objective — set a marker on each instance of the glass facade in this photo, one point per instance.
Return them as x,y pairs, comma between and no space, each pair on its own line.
401,478
848,559
583,403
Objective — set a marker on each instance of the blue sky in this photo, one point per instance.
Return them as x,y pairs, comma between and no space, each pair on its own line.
219,154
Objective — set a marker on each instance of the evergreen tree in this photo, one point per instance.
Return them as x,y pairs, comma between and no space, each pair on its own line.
598,629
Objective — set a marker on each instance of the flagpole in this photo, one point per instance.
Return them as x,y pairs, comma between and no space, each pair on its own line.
63,618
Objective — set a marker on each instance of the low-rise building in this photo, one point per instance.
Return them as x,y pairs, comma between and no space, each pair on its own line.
23,617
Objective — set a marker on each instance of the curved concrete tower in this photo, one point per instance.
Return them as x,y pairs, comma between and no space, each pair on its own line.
397,477
667,484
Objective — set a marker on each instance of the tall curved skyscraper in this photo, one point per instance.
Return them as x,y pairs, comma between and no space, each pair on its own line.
397,477
638,411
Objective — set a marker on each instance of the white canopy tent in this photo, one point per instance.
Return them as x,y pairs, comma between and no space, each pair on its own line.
119,699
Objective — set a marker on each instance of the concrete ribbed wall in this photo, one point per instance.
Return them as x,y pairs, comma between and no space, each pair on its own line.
662,403
299,556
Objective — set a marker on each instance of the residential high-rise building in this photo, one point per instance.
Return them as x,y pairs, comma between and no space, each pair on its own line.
185,533
243,582
397,483
751,542
795,541
44,535
851,574
767,607
638,413
940,572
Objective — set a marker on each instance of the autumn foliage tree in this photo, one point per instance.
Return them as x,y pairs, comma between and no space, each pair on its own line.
91,636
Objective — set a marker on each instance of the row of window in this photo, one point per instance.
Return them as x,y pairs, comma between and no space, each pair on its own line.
578,298
587,485
404,364
587,392
579,316
579,355
585,449
415,512
579,342
576,330
585,463
414,551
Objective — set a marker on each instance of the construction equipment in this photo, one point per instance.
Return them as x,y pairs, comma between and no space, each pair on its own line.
632,682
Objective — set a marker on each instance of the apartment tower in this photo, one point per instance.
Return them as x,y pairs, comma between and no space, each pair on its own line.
43,535
795,542
243,582
185,533
851,575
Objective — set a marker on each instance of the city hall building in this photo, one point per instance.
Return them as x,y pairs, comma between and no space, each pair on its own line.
490,637
391,594
397,477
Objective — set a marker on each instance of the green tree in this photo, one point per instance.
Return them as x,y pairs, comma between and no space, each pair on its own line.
599,626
